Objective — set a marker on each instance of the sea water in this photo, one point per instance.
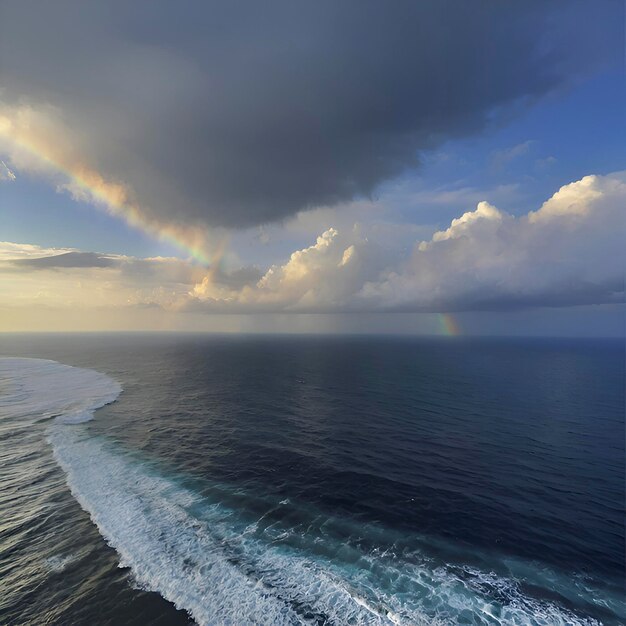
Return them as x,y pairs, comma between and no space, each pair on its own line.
276,480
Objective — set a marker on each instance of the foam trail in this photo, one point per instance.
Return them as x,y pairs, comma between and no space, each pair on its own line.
200,546
205,554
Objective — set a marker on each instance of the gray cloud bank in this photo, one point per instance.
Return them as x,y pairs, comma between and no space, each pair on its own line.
240,113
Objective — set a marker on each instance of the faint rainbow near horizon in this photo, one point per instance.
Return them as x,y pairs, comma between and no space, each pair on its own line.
448,326
112,195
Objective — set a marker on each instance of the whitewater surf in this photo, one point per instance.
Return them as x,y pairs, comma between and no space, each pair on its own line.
228,555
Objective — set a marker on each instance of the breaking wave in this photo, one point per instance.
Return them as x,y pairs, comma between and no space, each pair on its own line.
229,555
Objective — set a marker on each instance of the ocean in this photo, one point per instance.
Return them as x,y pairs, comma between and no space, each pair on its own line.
180,479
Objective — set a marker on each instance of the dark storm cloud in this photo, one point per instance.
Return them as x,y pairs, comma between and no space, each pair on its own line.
239,113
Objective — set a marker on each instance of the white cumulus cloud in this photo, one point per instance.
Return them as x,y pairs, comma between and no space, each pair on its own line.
570,251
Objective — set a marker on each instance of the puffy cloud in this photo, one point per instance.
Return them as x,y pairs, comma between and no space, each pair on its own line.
484,215
324,274
579,198
237,114
323,277
570,251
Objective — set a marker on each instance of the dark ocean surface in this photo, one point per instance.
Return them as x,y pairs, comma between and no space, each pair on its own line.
315,480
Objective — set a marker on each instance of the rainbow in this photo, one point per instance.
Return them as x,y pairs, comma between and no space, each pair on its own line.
448,325
86,184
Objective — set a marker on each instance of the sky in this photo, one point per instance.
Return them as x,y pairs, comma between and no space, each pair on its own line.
434,167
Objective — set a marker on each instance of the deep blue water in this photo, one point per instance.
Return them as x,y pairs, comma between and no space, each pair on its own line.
318,480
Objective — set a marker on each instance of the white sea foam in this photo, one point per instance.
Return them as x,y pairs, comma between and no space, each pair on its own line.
206,555
203,556
58,562
38,388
